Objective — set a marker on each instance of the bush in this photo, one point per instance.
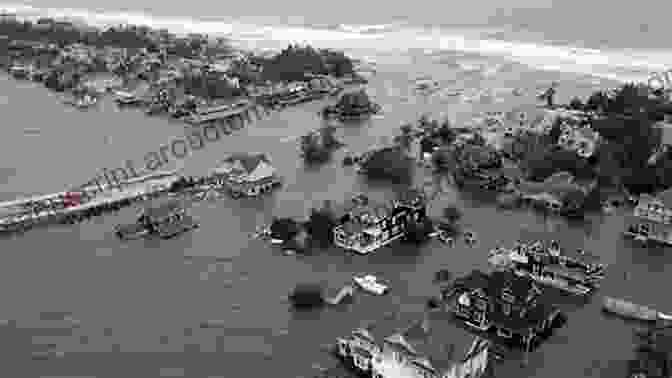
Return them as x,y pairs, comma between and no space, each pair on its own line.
576,104
389,163
285,228
544,165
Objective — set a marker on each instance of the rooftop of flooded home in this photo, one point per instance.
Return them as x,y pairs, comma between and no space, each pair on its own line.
436,340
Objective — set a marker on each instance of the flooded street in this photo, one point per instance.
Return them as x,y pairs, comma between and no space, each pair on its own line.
143,302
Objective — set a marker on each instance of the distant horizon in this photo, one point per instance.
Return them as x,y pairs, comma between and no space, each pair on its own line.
529,33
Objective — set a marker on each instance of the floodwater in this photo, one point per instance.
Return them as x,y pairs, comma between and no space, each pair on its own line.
142,302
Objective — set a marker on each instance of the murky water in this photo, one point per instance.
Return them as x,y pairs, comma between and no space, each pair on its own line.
143,302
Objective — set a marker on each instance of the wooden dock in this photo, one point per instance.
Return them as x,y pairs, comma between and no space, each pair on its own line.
236,111
109,199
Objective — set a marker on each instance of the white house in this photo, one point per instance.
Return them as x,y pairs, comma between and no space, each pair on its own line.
246,174
430,348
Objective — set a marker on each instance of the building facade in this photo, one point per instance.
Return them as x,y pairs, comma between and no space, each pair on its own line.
366,226
511,305
652,218
430,348
246,174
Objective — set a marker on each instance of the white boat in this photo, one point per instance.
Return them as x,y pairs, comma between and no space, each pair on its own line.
632,311
277,241
370,283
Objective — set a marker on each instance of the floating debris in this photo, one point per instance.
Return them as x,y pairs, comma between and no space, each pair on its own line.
213,324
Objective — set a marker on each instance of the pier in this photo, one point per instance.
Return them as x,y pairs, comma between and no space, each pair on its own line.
21,215
220,113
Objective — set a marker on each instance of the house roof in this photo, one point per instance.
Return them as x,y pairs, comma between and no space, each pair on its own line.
382,328
249,161
558,184
436,341
519,287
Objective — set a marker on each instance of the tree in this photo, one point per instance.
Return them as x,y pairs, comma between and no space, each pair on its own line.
388,163
405,138
576,104
556,131
598,102
320,226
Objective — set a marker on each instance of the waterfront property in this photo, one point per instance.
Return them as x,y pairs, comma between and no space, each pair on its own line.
246,174
583,140
548,264
560,192
513,306
220,112
652,218
427,348
366,226
166,218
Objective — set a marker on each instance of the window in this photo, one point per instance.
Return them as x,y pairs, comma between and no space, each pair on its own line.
506,308
508,297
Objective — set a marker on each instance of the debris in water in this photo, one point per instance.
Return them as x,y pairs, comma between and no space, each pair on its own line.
212,324
32,131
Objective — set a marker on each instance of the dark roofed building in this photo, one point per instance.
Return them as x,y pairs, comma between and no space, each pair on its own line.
511,304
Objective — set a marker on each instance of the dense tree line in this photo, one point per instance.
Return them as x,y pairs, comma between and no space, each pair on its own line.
625,118
61,35
294,62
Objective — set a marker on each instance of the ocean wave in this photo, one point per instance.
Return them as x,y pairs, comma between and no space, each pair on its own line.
381,40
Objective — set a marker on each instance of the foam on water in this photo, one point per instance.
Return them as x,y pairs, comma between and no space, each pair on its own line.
385,41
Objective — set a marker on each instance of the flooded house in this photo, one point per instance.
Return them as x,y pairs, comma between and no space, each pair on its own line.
246,174
166,219
548,263
583,140
512,306
479,165
558,193
366,226
430,347
651,219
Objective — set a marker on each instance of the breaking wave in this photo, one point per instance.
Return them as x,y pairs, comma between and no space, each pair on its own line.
394,38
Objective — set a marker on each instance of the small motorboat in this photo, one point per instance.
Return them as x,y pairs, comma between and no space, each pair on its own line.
276,241
446,238
633,311
370,284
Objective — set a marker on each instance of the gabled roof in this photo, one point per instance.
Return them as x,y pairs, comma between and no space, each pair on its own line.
437,343
249,161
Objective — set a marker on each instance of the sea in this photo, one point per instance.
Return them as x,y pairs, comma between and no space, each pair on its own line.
107,308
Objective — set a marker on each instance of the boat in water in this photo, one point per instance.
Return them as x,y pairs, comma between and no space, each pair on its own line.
370,283
548,265
631,310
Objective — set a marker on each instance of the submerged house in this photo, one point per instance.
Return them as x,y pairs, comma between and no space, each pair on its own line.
511,305
652,218
480,165
365,226
165,219
583,140
429,348
246,174
560,192
549,263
